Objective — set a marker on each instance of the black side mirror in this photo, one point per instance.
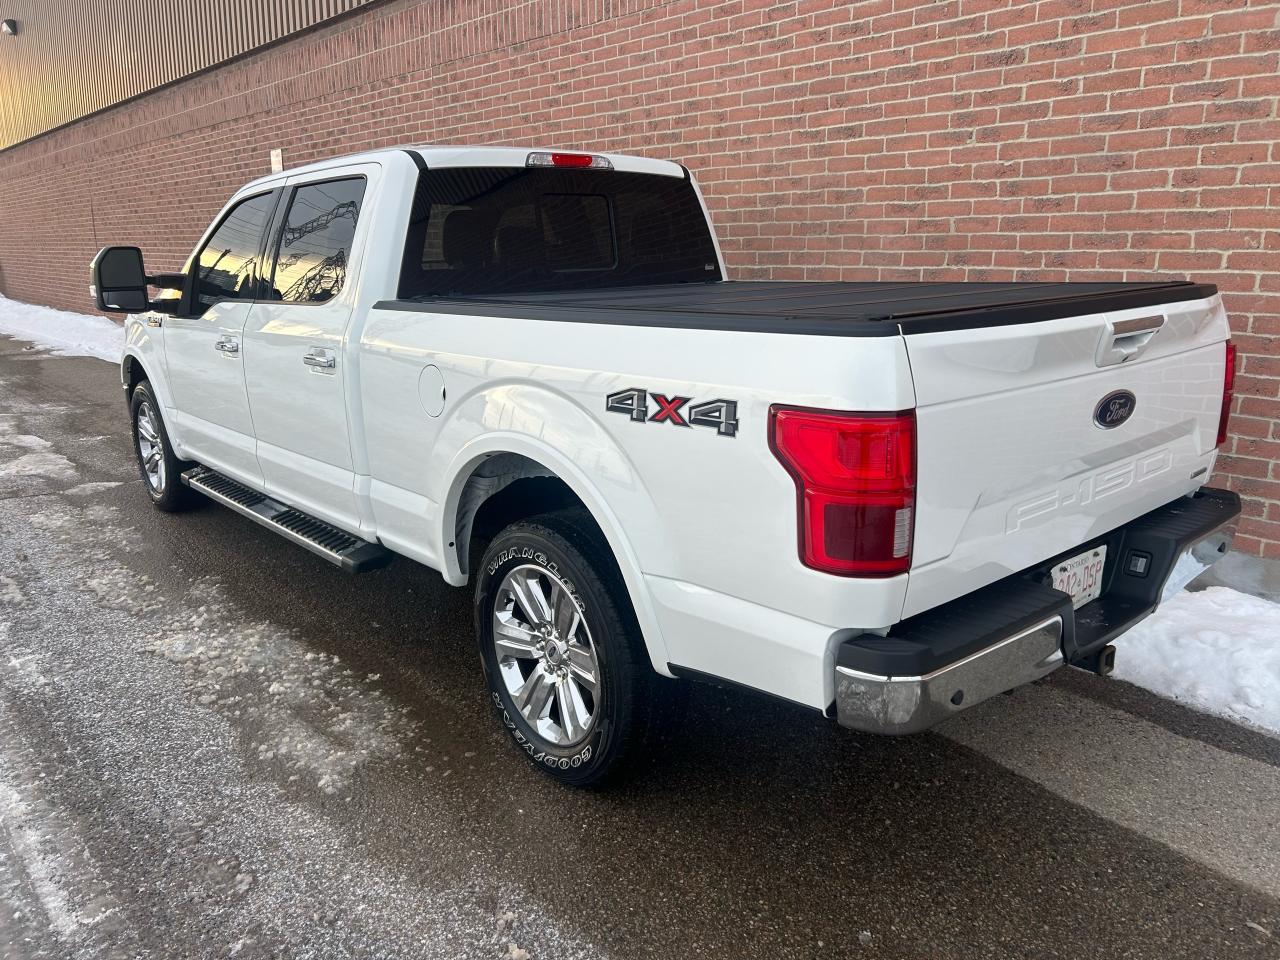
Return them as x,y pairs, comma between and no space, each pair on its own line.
118,282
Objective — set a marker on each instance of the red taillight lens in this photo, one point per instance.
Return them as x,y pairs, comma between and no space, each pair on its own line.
856,478
1228,390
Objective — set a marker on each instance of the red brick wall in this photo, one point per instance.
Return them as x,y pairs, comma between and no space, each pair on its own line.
884,139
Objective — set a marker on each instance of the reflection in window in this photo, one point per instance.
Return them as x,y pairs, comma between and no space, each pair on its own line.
316,242
226,266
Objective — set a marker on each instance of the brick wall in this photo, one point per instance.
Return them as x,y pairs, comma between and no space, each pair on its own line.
884,139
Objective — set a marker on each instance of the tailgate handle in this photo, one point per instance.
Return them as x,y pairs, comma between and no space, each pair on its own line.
1125,339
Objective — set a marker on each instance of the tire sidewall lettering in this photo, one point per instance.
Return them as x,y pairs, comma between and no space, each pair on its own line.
530,555
562,761
536,752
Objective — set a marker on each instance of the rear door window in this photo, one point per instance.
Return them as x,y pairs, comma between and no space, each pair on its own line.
315,241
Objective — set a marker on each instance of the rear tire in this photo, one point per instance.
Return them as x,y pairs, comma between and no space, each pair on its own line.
566,666
157,465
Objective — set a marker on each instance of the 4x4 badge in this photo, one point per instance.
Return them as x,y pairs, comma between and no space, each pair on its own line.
720,415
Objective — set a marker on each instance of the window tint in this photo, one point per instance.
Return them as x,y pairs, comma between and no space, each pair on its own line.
497,230
316,241
227,266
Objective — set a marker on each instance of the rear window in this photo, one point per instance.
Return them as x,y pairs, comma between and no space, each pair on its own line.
483,230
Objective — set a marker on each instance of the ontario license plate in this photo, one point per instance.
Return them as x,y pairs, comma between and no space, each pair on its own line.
1081,576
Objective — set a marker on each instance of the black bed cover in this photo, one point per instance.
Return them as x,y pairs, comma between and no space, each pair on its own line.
858,309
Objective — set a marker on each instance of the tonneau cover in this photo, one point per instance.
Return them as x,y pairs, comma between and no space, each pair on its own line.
821,308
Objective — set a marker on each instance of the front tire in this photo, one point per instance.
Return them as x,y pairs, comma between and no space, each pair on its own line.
157,465
562,653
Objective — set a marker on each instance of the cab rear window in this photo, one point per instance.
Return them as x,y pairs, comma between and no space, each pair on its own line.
478,230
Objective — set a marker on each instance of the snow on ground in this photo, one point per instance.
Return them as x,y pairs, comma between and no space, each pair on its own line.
65,333
36,839
300,713
24,455
10,593
1217,650
151,738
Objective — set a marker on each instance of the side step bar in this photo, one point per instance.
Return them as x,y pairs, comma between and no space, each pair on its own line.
337,546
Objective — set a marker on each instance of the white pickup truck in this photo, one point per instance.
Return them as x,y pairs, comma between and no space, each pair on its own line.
526,369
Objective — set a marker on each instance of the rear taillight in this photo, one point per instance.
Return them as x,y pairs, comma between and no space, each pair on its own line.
856,480
1228,388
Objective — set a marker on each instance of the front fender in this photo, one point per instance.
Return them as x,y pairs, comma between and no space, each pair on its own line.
143,346
552,430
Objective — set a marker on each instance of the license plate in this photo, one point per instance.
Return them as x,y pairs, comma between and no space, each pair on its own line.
1081,576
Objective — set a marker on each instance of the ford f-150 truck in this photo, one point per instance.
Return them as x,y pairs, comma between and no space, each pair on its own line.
527,369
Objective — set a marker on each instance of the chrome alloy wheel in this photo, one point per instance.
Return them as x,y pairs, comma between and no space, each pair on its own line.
545,655
151,447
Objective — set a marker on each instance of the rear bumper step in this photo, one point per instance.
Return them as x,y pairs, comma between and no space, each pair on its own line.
337,546
1020,629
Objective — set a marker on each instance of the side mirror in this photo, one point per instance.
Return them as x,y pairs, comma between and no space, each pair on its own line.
118,282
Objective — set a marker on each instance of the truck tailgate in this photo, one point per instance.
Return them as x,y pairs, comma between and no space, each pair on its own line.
1014,466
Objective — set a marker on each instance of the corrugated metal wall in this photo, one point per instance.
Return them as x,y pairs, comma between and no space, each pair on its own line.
72,57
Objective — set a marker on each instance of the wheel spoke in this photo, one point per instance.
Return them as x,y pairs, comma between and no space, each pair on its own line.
566,613
582,667
146,432
532,598
532,698
152,459
513,639
544,649
573,712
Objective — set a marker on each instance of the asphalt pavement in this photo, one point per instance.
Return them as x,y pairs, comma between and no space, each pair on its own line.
213,744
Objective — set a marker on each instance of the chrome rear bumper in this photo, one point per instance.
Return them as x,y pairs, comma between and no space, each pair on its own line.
1020,629
899,705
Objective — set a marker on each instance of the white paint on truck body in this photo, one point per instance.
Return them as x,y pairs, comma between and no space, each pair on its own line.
1012,469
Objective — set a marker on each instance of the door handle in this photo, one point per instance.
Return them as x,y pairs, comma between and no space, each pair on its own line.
320,358
227,345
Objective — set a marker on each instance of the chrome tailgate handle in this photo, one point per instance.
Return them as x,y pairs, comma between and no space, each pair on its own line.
1126,339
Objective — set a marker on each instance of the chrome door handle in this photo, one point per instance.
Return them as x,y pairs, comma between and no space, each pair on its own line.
227,345
320,358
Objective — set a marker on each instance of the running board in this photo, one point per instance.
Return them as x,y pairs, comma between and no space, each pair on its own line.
337,546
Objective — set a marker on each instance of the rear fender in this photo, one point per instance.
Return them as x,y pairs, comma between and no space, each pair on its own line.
556,433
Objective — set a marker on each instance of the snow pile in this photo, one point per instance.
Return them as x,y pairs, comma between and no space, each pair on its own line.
1217,650
65,333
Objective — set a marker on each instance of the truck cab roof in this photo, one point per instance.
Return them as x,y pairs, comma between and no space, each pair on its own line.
440,156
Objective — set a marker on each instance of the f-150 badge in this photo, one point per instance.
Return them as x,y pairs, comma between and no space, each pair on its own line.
720,415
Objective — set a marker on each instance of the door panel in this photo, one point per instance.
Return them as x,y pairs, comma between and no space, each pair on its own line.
294,360
206,377
203,351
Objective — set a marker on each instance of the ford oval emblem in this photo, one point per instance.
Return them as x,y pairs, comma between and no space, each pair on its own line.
1114,409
